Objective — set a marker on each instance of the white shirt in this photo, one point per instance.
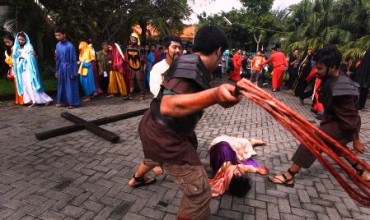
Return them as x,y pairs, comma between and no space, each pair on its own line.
157,76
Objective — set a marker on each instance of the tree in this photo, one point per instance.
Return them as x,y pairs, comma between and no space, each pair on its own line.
258,7
320,22
250,26
164,15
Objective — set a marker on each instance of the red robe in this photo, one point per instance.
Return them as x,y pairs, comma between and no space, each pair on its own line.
237,61
317,105
280,63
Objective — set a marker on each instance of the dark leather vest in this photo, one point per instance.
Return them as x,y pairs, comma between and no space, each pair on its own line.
188,67
337,86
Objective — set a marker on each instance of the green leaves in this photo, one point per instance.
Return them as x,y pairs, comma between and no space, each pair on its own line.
345,23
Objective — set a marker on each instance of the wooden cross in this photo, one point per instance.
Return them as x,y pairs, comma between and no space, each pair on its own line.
92,126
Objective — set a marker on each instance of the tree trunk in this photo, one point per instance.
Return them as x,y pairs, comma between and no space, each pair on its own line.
257,41
143,25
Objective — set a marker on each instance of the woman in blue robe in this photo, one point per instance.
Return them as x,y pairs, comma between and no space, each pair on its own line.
86,59
26,70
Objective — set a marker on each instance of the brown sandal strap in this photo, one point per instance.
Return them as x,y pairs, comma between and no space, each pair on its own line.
360,171
286,180
292,173
140,179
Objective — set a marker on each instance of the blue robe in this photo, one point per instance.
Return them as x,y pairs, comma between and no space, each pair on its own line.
29,62
66,66
149,64
87,82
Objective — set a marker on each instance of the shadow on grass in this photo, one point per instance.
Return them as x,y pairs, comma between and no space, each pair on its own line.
7,88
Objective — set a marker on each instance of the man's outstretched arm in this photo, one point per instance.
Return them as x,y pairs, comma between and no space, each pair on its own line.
185,104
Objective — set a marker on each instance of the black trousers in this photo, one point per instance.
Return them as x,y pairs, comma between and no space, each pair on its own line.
104,81
363,97
292,77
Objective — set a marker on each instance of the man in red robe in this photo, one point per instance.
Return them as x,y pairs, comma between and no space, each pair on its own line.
280,64
237,61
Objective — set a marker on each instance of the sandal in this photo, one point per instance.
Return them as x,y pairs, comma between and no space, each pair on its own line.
284,182
129,97
360,171
143,181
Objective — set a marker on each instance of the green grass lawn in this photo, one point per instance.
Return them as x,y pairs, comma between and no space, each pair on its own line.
7,86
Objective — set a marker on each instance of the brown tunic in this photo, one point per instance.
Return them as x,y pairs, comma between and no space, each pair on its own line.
340,121
163,145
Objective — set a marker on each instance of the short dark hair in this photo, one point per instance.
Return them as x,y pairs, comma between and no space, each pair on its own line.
239,185
208,39
9,36
59,29
166,42
330,56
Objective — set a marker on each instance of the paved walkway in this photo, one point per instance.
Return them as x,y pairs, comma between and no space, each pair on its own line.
81,176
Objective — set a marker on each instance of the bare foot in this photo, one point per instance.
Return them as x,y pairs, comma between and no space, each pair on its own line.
87,99
358,146
60,105
256,142
262,170
366,176
33,104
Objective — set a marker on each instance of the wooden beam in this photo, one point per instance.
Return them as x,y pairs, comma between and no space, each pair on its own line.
80,126
93,128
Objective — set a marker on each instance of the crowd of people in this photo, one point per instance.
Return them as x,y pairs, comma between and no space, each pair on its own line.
296,72
167,128
111,71
182,90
